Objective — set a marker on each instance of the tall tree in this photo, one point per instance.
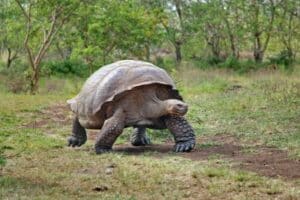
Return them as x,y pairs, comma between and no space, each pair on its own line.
11,32
288,26
231,13
43,19
115,29
174,17
261,15
210,25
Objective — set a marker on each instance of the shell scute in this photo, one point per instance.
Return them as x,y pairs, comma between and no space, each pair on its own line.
114,79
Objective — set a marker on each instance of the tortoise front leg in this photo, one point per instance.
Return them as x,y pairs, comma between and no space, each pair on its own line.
183,133
139,137
110,131
78,136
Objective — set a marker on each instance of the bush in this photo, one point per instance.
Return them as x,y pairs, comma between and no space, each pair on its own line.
166,63
2,160
14,78
2,157
232,63
205,63
213,60
285,58
240,66
66,67
17,84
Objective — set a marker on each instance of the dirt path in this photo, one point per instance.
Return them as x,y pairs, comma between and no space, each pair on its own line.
266,161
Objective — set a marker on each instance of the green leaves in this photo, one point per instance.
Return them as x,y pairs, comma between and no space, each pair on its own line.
109,29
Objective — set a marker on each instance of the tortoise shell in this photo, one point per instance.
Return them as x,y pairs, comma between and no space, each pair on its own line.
112,80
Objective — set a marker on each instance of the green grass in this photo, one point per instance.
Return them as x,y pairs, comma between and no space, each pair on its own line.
67,174
257,109
264,108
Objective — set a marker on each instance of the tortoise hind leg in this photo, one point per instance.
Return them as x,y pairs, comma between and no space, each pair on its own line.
139,137
78,136
110,131
183,133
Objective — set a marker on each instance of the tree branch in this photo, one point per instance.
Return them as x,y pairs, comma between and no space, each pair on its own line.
23,10
54,28
28,29
270,26
47,39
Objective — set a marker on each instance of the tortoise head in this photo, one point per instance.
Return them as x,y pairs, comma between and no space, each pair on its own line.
176,107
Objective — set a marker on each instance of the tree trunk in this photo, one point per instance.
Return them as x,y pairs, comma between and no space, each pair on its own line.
234,51
290,54
260,47
8,63
34,81
214,46
233,48
147,51
258,52
287,39
178,52
215,51
258,56
10,58
179,41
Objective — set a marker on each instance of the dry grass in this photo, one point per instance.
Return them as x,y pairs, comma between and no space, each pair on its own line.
260,108
77,174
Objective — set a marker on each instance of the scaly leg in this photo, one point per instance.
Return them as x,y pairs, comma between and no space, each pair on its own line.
183,133
110,131
139,137
78,136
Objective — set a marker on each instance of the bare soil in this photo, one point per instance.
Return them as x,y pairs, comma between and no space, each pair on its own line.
267,161
263,160
57,114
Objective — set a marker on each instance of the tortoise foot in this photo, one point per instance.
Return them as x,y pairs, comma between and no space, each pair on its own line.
75,141
186,146
101,149
140,140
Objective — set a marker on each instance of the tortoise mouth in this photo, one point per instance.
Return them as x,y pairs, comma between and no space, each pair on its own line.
176,107
179,111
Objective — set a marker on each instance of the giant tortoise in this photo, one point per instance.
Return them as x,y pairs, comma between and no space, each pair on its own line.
134,94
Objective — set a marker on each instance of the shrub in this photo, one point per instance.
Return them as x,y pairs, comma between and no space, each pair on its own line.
14,78
2,157
213,60
231,62
241,66
166,63
285,58
2,160
17,84
66,67
249,65
203,63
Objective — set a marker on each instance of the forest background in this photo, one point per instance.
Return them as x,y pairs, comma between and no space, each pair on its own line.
51,37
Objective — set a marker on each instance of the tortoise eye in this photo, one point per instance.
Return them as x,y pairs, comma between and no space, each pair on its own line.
179,105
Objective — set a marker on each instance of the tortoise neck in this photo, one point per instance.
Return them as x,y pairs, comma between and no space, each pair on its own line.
164,107
157,107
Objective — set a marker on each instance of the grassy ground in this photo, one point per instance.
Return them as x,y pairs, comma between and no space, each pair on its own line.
246,115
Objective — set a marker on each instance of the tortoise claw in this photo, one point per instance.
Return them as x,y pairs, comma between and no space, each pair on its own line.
140,140
184,146
74,141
